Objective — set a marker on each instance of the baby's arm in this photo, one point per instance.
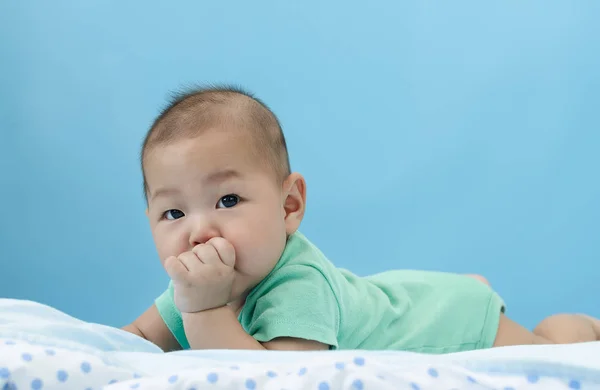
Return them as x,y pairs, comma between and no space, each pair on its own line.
203,280
151,327
220,329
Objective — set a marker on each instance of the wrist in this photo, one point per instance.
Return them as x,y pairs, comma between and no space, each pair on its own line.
216,328
190,308
205,312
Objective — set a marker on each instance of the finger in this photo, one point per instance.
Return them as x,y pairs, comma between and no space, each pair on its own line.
207,254
225,250
175,268
190,261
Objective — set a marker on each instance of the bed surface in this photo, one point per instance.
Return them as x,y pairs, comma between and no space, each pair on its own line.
43,348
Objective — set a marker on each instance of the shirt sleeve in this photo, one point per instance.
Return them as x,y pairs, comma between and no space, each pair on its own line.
296,301
165,304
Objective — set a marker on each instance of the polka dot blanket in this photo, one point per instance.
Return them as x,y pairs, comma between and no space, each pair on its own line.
43,348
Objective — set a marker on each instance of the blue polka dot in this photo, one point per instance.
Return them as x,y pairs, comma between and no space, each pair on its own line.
135,386
340,365
136,376
27,357
323,386
173,379
86,367
212,378
112,381
433,372
414,386
50,352
471,379
302,371
250,384
37,384
9,342
533,378
359,361
4,373
509,388
271,374
357,385
62,375
192,388
574,384
10,386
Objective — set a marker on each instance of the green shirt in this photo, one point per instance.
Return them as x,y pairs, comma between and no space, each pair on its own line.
305,296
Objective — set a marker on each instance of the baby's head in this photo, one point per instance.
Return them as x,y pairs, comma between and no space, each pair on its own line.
215,164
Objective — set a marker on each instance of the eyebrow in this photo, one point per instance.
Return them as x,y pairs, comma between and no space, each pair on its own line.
215,177
163,191
223,175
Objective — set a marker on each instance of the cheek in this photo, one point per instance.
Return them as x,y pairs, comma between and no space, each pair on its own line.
264,227
168,242
258,243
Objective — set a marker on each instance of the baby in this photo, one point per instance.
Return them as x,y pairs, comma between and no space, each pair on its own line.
224,210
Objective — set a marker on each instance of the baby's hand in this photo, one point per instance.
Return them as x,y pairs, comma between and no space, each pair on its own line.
203,278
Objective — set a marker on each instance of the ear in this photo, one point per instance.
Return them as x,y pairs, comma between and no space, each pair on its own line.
294,202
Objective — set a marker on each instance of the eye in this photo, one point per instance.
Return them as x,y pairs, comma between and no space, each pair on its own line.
228,201
174,214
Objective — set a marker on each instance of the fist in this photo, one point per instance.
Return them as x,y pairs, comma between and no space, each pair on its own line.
203,277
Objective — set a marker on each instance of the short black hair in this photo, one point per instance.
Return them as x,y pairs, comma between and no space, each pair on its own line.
192,111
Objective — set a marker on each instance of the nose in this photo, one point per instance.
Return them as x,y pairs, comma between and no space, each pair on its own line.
202,230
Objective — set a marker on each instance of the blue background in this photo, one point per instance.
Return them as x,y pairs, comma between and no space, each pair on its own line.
446,136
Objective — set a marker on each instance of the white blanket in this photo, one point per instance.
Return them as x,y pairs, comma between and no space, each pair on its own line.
42,348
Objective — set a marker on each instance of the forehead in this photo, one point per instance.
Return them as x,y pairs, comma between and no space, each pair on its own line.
195,158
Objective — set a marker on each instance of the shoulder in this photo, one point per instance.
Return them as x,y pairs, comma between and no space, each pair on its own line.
301,263
300,254
303,278
293,281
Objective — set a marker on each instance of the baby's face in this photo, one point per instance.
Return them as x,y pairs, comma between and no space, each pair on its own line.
212,186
